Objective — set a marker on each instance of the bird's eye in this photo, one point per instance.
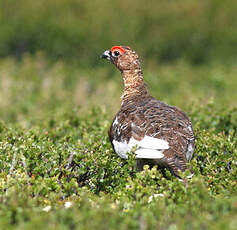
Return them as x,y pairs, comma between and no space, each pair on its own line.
116,53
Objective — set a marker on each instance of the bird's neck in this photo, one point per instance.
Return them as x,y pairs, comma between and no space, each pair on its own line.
133,84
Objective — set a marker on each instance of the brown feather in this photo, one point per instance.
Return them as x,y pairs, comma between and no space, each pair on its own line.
140,115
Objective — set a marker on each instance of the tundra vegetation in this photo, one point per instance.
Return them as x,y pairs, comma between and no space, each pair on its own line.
57,101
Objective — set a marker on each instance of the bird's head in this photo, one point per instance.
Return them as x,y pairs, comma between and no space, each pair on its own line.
123,57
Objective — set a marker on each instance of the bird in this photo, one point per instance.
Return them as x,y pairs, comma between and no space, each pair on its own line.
159,134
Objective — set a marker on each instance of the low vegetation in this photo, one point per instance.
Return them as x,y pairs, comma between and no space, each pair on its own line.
58,169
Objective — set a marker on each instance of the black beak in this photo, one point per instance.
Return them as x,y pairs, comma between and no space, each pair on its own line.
106,55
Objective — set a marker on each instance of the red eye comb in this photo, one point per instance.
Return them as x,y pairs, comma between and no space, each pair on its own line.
119,48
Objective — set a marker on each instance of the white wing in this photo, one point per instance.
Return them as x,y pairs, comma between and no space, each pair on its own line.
148,147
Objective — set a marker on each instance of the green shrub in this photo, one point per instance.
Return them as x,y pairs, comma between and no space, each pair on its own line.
54,149
46,165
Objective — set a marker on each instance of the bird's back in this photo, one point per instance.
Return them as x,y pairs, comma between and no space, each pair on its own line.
141,117
162,134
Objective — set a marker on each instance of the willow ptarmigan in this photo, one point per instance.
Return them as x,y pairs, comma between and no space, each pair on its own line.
159,133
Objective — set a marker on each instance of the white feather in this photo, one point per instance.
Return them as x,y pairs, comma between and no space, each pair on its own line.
189,152
149,153
153,143
148,147
121,148
115,121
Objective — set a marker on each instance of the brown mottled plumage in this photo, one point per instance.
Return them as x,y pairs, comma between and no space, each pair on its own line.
163,134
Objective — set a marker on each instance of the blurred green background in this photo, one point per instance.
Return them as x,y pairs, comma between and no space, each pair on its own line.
49,53
199,31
